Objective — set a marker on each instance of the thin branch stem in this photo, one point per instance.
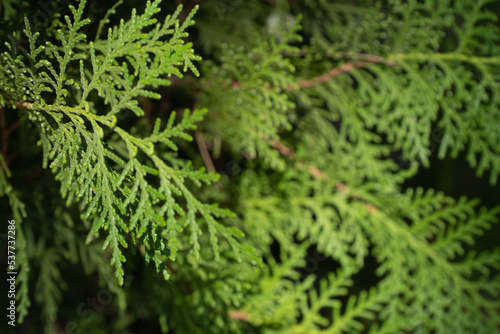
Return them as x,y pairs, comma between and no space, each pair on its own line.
365,61
345,68
318,174
205,155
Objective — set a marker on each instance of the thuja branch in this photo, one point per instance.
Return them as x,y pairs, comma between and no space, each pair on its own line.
345,68
365,60
342,69
343,55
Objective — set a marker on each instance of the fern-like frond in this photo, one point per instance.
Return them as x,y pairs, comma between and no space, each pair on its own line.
426,262
115,187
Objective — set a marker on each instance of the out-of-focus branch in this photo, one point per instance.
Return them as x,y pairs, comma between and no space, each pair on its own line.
205,155
365,60
318,174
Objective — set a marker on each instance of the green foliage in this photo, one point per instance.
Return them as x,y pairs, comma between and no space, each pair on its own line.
253,85
123,67
328,109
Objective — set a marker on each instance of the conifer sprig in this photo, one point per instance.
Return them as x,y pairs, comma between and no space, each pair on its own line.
114,187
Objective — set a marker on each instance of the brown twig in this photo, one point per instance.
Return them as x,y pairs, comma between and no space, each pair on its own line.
288,152
205,155
345,55
318,174
345,68
283,149
24,105
239,315
365,61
